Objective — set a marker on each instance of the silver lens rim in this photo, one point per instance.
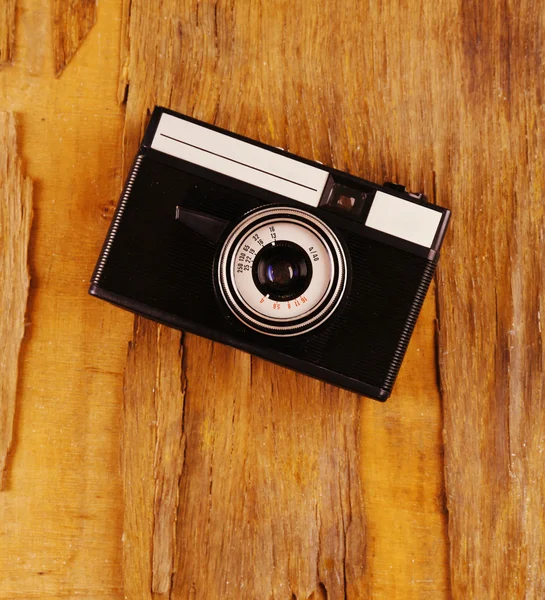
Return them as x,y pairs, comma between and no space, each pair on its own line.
282,327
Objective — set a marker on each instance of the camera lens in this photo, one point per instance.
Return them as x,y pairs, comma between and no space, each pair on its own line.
282,271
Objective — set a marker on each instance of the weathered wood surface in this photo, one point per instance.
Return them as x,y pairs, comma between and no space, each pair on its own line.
240,479
154,414
15,221
492,302
7,31
61,512
72,21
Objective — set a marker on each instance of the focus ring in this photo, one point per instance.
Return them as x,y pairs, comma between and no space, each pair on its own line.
263,229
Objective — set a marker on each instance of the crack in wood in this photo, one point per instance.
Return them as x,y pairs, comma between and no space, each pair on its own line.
7,32
169,455
72,21
124,53
15,225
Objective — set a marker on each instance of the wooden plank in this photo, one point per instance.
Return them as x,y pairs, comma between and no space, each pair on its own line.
446,98
61,516
289,487
15,222
72,21
281,509
154,412
7,32
492,300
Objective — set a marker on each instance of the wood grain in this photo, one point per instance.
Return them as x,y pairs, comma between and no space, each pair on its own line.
72,21
7,31
289,487
154,414
241,479
491,303
281,508
61,515
15,222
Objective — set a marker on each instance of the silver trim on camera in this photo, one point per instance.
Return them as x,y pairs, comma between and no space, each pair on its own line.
243,161
116,220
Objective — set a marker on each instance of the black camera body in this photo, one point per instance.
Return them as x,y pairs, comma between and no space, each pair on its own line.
282,257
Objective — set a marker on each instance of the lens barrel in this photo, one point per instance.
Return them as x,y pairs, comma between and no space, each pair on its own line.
282,271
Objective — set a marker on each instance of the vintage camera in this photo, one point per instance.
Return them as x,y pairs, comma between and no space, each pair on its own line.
287,259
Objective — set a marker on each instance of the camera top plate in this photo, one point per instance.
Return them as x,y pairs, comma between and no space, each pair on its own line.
386,213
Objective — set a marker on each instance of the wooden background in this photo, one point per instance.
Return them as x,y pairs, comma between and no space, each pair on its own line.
143,463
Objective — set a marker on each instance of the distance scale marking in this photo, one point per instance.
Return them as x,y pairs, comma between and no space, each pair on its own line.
248,248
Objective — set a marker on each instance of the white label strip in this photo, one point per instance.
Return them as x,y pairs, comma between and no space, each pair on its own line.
406,220
241,160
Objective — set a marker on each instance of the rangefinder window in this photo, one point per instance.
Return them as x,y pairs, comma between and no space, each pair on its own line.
344,200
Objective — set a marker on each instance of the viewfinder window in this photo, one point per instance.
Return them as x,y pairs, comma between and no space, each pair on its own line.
345,200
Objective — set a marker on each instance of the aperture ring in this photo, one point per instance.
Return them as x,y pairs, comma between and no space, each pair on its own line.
262,314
